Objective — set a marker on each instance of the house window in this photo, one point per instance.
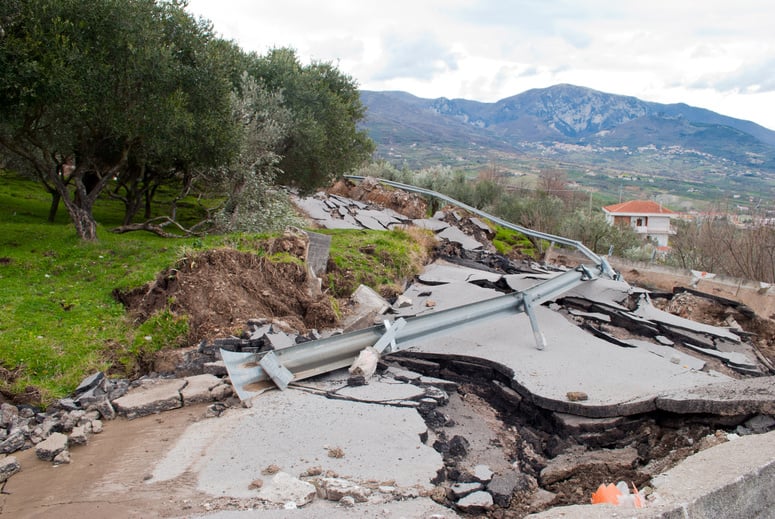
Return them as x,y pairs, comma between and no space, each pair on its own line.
639,222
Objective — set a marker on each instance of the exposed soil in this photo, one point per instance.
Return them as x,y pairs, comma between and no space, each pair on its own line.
369,190
220,290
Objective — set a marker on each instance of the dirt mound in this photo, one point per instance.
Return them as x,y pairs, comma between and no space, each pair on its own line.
369,190
221,289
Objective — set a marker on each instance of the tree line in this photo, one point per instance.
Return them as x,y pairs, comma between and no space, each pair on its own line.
124,98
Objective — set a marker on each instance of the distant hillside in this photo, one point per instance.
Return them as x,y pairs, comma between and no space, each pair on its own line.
575,125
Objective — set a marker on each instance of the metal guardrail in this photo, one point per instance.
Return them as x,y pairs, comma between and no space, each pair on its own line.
252,373
601,262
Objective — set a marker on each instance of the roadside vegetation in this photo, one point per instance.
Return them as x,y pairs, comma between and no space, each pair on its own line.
60,321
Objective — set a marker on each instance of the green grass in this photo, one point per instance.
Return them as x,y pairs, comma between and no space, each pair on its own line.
59,321
378,259
507,241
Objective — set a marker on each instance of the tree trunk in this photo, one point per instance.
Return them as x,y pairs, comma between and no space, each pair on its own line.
85,224
52,211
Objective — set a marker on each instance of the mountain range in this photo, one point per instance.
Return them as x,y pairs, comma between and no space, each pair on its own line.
576,126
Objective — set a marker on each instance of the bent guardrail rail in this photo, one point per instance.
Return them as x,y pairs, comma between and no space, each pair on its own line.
605,267
253,373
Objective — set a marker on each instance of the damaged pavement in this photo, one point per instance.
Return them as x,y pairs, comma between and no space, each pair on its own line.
499,417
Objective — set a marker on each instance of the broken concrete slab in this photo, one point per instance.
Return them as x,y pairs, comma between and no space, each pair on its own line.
284,488
318,252
314,208
731,358
610,292
225,460
648,311
430,224
440,272
521,282
152,396
383,390
463,489
49,448
367,306
633,378
198,389
427,299
9,466
455,235
726,398
476,502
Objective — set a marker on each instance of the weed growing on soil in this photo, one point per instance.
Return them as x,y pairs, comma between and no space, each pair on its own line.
506,242
381,260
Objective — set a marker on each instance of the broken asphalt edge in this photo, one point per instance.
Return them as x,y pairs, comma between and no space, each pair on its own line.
716,399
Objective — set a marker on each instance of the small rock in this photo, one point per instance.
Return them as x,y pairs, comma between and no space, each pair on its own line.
78,436
313,471
402,302
347,501
221,392
8,467
8,413
760,423
477,502
502,487
96,426
335,452
458,446
62,458
48,449
541,499
463,489
14,442
105,408
483,473
284,489
577,396
334,489
256,484
90,382
271,469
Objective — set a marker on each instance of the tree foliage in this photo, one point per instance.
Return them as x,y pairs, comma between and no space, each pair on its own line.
106,89
253,202
324,141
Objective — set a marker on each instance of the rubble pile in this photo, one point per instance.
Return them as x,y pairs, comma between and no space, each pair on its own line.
72,421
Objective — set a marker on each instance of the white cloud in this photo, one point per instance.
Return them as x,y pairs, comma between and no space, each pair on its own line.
716,54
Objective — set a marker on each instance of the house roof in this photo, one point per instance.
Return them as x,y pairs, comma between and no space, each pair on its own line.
638,207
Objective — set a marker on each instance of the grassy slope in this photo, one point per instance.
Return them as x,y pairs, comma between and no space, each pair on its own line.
58,319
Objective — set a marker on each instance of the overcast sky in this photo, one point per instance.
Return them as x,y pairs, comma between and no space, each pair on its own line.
716,54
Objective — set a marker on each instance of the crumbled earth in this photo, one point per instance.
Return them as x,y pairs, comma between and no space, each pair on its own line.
408,204
221,289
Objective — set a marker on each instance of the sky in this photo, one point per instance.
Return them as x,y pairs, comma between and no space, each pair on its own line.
715,54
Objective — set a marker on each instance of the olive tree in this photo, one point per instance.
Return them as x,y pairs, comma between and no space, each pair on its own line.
91,91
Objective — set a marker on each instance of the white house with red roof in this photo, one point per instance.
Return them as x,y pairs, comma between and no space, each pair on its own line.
646,217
